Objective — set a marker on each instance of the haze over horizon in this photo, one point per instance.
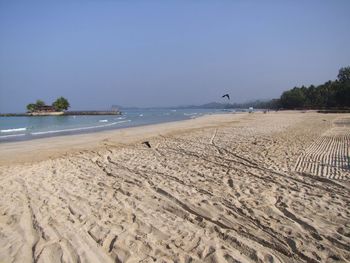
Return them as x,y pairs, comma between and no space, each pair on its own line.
157,53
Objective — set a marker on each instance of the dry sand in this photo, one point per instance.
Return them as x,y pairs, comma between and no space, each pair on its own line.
233,188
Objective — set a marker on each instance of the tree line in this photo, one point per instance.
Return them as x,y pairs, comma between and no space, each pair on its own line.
332,94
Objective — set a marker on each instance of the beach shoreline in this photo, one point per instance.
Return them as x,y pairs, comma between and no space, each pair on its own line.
28,128
22,151
220,188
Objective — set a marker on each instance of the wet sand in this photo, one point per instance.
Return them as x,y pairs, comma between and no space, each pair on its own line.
223,188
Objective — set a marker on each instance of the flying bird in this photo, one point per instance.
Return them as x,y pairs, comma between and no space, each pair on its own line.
226,95
147,144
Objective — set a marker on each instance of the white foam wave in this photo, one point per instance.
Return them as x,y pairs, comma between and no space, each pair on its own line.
79,129
190,114
141,115
13,130
103,120
12,135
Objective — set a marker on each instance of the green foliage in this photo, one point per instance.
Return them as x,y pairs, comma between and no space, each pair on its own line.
342,94
332,94
294,98
40,103
344,74
61,104
34,106
31,107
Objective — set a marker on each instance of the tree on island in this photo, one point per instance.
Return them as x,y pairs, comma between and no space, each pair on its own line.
31,107
40,103
61,104
34,106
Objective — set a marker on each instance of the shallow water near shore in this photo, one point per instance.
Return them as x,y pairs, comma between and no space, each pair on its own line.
27,128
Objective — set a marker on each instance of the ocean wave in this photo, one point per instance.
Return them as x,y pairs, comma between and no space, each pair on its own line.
190,114
79,129
103,121
12,135
13,130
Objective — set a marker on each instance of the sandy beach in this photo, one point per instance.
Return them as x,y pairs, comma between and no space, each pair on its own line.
244,187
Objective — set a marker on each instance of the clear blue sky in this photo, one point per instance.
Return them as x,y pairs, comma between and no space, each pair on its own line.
159,53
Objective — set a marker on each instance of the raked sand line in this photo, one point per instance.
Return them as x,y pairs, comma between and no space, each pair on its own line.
329,155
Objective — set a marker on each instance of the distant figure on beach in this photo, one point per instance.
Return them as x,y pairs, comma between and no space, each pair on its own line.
226,95
251,109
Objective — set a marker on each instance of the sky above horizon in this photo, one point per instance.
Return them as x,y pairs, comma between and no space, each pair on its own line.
166,53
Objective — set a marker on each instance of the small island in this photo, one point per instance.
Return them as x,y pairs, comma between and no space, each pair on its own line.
40,108
58,108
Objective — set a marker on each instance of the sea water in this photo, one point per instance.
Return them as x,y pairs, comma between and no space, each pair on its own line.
27,128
